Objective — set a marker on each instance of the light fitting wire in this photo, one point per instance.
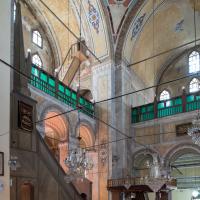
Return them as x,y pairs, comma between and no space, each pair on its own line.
19,72
45,5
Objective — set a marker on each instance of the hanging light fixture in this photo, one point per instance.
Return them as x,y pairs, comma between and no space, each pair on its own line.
194,131
78,161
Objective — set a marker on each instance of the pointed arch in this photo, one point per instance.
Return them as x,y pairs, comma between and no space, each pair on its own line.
194,85
194,62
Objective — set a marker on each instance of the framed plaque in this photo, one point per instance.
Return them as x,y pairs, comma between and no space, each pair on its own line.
1,163
182,129
25,116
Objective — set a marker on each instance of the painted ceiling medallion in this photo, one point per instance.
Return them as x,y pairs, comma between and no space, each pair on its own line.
94,17
179,26
137,26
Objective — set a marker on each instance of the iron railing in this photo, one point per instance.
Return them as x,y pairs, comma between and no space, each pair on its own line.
159,109
55,88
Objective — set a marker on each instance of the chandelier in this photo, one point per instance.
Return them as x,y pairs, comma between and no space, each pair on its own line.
78,162
194,131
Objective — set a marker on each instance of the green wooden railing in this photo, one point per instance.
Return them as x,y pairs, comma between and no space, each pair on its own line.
181,104
55,88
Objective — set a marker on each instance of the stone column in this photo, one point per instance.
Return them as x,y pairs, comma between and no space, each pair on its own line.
121,118
102,87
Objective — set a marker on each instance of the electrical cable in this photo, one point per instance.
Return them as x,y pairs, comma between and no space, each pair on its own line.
164,52
150,87
2,134
69,29
56,115
80,107
29,78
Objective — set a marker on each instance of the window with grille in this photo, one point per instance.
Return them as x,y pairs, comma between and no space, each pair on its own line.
37,38
164,95
36,60
194,85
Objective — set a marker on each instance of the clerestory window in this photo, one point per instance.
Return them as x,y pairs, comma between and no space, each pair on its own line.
37,38
194,62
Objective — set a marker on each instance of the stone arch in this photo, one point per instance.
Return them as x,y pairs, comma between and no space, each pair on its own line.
47,28
169,62
86,133
139,159
179,150
43,109
54,130
123,32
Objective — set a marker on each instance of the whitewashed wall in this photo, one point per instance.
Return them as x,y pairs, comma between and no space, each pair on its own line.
5,26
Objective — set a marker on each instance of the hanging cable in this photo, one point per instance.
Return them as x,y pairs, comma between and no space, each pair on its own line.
163,52
150,87
29,78
45,5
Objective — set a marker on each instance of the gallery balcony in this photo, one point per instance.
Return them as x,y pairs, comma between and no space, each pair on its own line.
159,109
50,85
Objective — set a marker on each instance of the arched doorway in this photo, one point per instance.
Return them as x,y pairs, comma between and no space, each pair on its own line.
56,136
27,192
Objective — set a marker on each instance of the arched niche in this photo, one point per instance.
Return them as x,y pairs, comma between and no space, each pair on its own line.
184,162
141,162
141,165
87,138
56,136
26,191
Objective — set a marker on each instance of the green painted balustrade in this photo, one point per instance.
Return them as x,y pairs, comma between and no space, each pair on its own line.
48,84
184,103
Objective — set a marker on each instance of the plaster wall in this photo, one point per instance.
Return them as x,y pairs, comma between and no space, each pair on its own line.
5,39
182,194
30,23
160,134
177,69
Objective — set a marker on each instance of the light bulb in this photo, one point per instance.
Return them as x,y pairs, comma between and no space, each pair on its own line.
195,193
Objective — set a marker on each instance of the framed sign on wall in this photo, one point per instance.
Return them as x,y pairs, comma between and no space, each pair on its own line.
25,116
1,163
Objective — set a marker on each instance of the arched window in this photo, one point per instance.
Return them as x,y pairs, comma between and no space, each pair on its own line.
14,11
194,62
36,60
37,38
194,85
164,95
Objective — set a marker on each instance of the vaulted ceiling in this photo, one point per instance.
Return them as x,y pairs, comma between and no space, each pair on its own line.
130,30
168,26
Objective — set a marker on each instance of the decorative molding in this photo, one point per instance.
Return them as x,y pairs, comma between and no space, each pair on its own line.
137,26
179,26
94,17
